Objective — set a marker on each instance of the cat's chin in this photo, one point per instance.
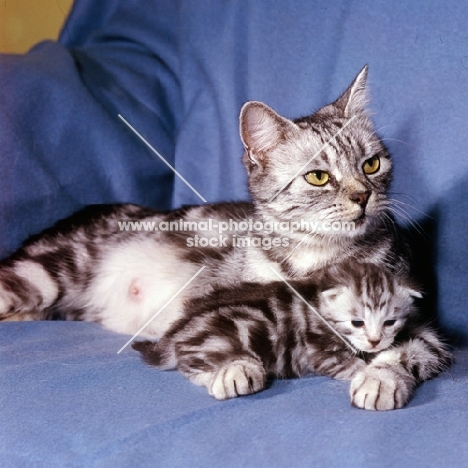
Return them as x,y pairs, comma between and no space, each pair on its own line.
362,225
361,219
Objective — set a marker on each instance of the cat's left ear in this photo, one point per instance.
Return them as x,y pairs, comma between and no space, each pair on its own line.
354,99
261,129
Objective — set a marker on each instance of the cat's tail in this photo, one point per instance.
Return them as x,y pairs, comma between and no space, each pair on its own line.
155,354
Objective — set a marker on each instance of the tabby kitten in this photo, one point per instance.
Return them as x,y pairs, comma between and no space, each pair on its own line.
326,168
359,324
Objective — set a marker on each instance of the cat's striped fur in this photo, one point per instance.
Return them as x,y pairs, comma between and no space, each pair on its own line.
232,340
87,268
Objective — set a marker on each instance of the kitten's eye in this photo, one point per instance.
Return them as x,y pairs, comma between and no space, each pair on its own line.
357,323
389,323
371,165
317,178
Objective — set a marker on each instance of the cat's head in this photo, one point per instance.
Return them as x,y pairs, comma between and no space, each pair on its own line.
367,305
329,167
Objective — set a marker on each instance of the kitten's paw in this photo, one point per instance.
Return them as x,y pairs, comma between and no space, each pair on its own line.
381,388
241,377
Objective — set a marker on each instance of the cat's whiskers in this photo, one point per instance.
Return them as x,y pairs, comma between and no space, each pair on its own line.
408,205
410,197
385,217
397,140
398,207
402,213
378,130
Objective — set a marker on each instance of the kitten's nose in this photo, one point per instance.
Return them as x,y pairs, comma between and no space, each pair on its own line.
374,343
360,198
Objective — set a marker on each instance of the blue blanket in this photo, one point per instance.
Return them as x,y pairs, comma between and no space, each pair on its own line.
69,400
178,72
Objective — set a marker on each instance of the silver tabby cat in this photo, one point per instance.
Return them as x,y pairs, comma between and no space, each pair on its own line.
233,339
326,168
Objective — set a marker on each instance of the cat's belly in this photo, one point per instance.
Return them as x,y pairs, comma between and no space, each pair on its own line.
139,285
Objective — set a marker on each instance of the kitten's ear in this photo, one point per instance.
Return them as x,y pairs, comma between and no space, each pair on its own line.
354,99
414,293
410,287
329,295
261,129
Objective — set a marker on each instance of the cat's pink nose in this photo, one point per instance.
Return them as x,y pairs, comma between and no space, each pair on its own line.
360,198
374,343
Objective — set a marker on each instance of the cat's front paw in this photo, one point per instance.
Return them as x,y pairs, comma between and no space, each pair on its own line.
241,377
381,388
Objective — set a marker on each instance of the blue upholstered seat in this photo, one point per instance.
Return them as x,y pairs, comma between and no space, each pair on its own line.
179,72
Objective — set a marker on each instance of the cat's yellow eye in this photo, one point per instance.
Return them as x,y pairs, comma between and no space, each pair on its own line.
371,165
317,178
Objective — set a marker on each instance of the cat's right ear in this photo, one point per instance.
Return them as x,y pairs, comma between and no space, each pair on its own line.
261,129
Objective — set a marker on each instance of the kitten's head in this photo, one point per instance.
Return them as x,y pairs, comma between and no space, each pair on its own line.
367,305
328,167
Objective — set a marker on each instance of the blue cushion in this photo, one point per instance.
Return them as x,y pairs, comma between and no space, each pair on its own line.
179,72
68,399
